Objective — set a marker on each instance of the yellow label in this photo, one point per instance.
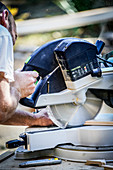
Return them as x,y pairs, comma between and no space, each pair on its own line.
56,158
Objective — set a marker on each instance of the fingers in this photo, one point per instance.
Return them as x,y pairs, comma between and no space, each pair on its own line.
32,73
25,82
43,118
32,80
31,88
44,121
31,76
28,74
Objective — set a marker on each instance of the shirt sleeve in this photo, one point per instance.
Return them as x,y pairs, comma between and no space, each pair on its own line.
6,57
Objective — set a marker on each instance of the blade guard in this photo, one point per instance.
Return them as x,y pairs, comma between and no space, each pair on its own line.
44,62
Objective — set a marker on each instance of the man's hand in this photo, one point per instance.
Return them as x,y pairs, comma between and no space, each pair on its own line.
42,119
24,82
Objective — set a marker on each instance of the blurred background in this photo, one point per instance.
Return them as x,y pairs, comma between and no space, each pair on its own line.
40,21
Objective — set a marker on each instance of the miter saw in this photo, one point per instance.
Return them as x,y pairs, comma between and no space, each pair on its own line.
74,81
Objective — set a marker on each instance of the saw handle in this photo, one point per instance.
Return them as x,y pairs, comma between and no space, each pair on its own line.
16,143
31,102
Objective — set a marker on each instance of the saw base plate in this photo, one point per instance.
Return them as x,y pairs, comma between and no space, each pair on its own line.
68,152
91,142
82,154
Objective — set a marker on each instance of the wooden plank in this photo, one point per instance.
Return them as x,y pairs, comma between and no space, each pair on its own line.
98,162
107,167
99,123
67,21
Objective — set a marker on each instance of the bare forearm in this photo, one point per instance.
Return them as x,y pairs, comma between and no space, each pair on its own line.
9,100
10,94
24,118
15,97
20,117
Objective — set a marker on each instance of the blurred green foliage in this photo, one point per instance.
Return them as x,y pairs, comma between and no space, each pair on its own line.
82,5
43,8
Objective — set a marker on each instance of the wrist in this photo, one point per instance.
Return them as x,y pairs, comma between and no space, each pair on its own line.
15,92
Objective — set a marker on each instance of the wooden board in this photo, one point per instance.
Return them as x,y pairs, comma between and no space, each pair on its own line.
98,123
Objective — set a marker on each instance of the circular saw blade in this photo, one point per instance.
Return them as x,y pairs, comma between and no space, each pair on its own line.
75,115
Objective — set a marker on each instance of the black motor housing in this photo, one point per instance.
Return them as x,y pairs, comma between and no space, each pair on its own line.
77,58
